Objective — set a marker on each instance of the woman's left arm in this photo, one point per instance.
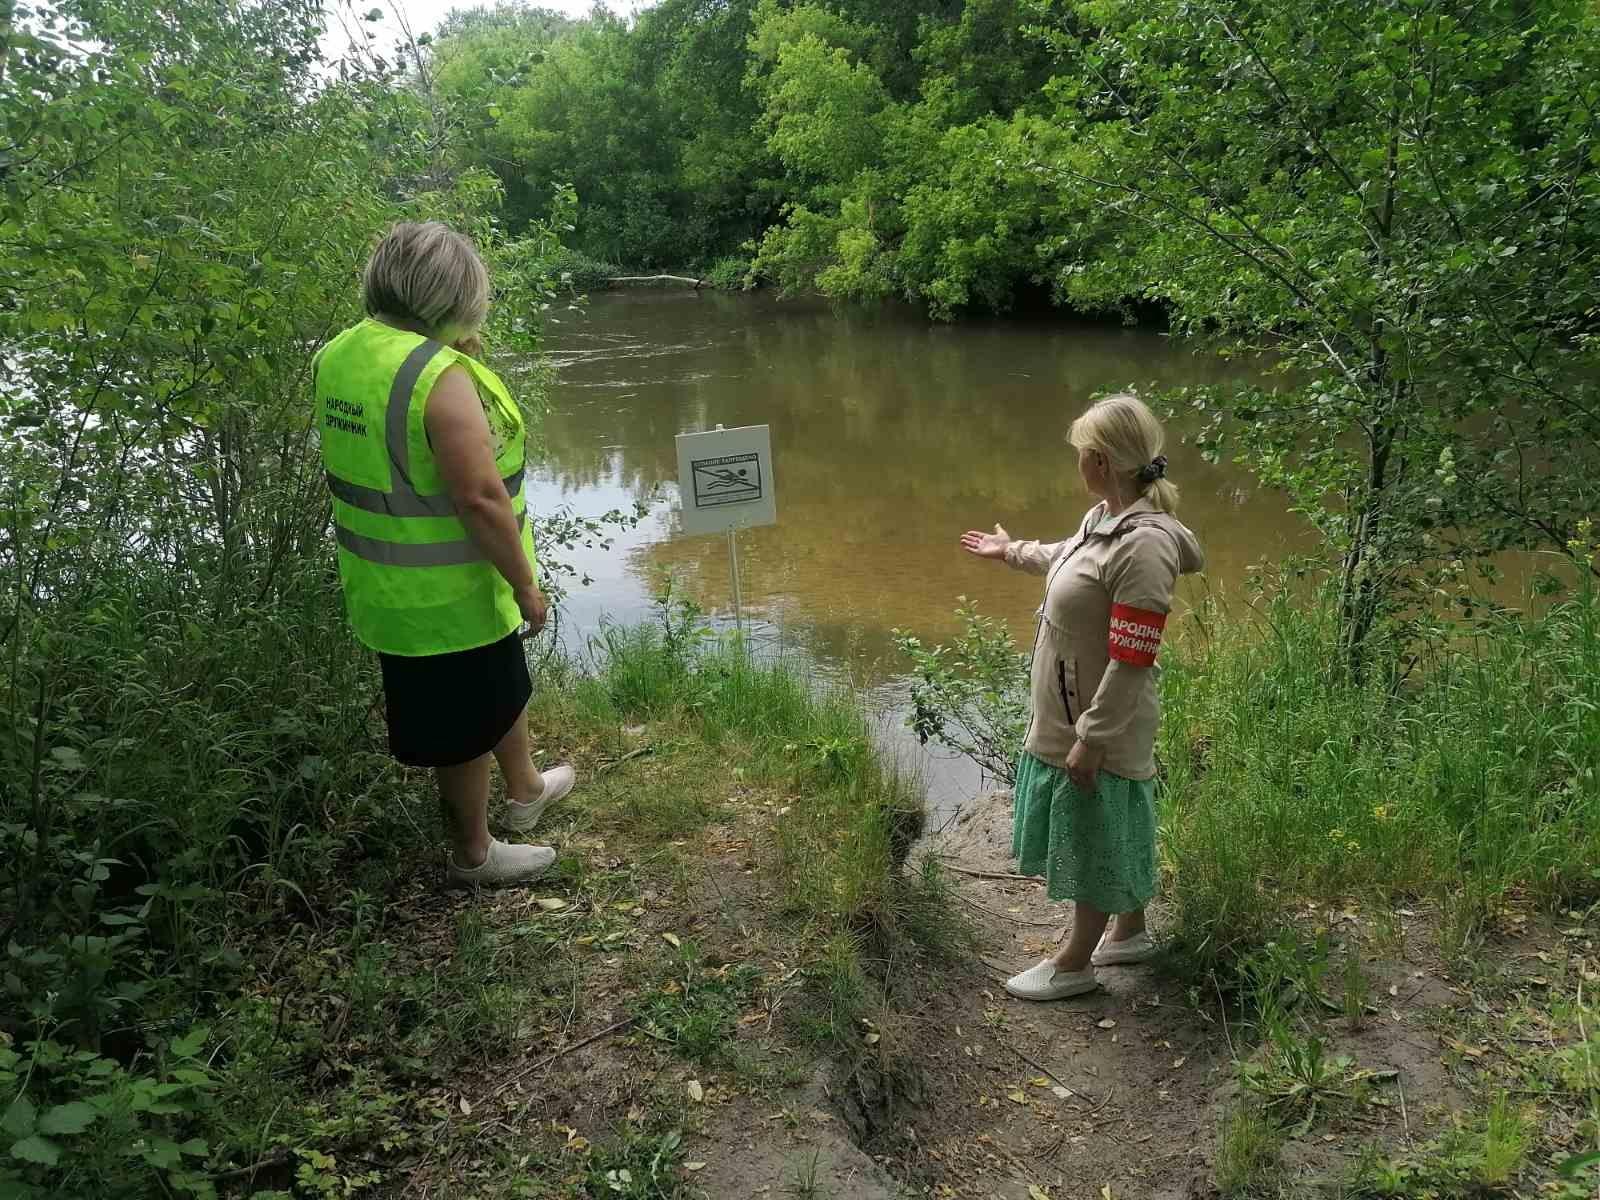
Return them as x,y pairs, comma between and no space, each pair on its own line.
1140,578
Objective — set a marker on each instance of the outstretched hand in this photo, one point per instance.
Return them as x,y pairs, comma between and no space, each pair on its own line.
986,545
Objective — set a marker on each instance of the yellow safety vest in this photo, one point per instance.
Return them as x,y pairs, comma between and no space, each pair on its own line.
414,581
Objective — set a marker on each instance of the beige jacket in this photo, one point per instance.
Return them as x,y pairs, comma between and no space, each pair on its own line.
1105,606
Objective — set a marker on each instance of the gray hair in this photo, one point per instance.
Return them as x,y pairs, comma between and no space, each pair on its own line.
427,273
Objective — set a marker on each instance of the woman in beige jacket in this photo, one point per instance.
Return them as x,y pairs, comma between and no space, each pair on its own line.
1085,792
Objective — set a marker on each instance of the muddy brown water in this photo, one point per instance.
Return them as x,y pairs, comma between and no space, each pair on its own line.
890,437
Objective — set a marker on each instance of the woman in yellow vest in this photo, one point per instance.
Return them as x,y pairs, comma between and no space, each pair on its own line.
424,450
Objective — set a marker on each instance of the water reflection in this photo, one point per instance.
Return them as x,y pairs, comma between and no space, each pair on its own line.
890,436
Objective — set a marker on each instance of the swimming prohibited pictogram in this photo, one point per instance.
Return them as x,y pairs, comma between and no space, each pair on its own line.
727,479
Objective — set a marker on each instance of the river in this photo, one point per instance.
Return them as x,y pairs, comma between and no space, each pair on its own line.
890,437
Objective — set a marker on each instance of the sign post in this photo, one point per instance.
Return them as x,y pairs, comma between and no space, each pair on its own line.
733,567
726,483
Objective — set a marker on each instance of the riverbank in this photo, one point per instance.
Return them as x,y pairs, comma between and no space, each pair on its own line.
582,273
753,973
1379,914
328,1021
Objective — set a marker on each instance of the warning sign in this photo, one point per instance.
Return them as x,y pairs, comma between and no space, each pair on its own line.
725,479
730,479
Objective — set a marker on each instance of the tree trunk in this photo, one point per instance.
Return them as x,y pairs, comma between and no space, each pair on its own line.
1358,594
653,280
1360,597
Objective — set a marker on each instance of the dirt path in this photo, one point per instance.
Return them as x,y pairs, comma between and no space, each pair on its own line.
1131,1093
1121,1093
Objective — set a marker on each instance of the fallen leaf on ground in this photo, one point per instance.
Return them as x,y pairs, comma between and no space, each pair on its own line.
1105,1192
550,903
1035,1192
1039,1081
1470,1051
1061,1093
696,1092
466,1109
1178,1062
1108,1023
695,1166
1017,1097
671,939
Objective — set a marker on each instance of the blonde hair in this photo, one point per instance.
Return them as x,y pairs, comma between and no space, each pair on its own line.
430,274
1123,429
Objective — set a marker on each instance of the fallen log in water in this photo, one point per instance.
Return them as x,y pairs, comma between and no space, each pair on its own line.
654,280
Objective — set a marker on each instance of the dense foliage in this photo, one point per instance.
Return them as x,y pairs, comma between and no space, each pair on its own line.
1397,199
188,194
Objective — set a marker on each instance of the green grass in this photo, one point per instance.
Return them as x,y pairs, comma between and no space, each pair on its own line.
841,870
214,840
692,1007
1476,775
1248,1142
1478,1155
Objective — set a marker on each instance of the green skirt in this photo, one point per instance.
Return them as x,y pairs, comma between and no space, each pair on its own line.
1100,849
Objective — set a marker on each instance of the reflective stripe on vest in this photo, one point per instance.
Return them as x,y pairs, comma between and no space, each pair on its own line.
413,554
404,503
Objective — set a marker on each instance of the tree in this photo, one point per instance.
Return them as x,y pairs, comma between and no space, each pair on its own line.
1396,198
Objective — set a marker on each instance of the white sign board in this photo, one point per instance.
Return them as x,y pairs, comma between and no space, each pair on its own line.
725,479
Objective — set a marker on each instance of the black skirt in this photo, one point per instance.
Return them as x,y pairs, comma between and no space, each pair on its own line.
448,709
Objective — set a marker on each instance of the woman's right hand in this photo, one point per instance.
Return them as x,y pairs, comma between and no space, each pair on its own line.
986,545
531,602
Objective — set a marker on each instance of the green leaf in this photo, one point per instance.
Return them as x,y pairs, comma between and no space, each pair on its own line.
190,1043
74,1117
162,1153
1571,1167
37,1150
19,1118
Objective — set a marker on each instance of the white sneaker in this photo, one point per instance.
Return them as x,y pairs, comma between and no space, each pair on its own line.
558,782
1044,982
505,865
1136,949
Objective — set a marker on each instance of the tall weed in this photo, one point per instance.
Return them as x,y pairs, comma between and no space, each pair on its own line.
1471,776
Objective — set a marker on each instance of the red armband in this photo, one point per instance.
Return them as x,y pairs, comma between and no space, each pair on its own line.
1135,634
